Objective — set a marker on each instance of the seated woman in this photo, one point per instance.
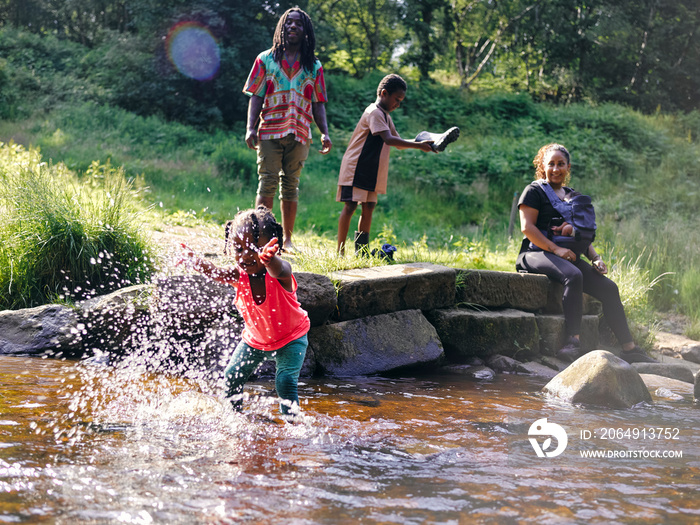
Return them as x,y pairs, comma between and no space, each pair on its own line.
540,254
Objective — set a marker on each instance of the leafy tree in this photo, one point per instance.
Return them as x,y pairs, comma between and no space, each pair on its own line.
481,28
127,58
634,52
667,57
422,18
357,36
645,54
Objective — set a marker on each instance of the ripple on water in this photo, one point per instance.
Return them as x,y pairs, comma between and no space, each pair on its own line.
133,443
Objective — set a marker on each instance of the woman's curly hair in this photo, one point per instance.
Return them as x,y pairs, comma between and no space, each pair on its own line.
538,161
260,222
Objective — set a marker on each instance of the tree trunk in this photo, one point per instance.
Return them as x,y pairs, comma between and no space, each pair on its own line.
642,47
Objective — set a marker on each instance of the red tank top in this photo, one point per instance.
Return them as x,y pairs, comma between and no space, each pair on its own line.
279,320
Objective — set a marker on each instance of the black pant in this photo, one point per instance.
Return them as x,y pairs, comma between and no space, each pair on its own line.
579,277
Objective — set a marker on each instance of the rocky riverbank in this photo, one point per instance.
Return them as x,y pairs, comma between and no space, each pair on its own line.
406,318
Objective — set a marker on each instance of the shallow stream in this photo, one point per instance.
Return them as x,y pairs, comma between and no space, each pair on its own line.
84,443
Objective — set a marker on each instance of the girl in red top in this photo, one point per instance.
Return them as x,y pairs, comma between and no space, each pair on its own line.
275,324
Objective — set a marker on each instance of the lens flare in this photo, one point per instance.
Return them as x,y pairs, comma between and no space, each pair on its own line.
193,50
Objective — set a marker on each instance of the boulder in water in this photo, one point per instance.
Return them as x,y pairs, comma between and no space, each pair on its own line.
506,365
599,378
45,329
666,387
479,372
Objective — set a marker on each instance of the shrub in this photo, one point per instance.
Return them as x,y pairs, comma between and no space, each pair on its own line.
234,160
62,239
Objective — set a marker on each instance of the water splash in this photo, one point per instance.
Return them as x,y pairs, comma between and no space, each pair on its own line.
193,50
155,360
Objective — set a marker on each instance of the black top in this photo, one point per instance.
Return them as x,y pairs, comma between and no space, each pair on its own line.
535,197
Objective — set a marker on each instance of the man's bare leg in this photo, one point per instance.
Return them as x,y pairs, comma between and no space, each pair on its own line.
264,201
289,215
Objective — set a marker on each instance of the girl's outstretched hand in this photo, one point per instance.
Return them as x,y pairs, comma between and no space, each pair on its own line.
187,255
268,251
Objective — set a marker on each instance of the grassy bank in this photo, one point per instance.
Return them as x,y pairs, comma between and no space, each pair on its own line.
65,240
451,208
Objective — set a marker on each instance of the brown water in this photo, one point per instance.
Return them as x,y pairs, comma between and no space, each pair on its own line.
90,444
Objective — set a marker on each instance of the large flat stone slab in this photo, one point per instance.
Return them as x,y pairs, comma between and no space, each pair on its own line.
678,371
383,289
655,382
529,292
317,296
466,333
492,289
375,344
553,333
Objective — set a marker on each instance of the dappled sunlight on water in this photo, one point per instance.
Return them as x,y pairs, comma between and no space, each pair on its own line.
89,443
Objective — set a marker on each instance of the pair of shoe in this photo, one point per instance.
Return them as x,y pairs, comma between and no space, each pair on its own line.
571,351
440,141
637,355
385,252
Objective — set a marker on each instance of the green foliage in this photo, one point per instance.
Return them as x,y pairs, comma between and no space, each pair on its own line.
643,54
427,23
132,71
348,97
452,207
183,168
234,161
356,36
38,72
8,96
64,238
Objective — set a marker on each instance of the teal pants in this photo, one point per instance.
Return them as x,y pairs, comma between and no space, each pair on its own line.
288,359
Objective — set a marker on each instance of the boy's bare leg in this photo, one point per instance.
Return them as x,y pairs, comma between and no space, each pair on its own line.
365,223
344,225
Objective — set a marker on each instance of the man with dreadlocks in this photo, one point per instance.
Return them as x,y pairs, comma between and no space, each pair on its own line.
287,90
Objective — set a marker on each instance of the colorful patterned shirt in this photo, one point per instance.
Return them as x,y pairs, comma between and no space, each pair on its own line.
288,93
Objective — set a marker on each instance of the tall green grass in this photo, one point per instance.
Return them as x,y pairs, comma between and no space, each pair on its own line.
65,239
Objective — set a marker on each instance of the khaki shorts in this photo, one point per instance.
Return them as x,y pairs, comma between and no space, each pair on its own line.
279,165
